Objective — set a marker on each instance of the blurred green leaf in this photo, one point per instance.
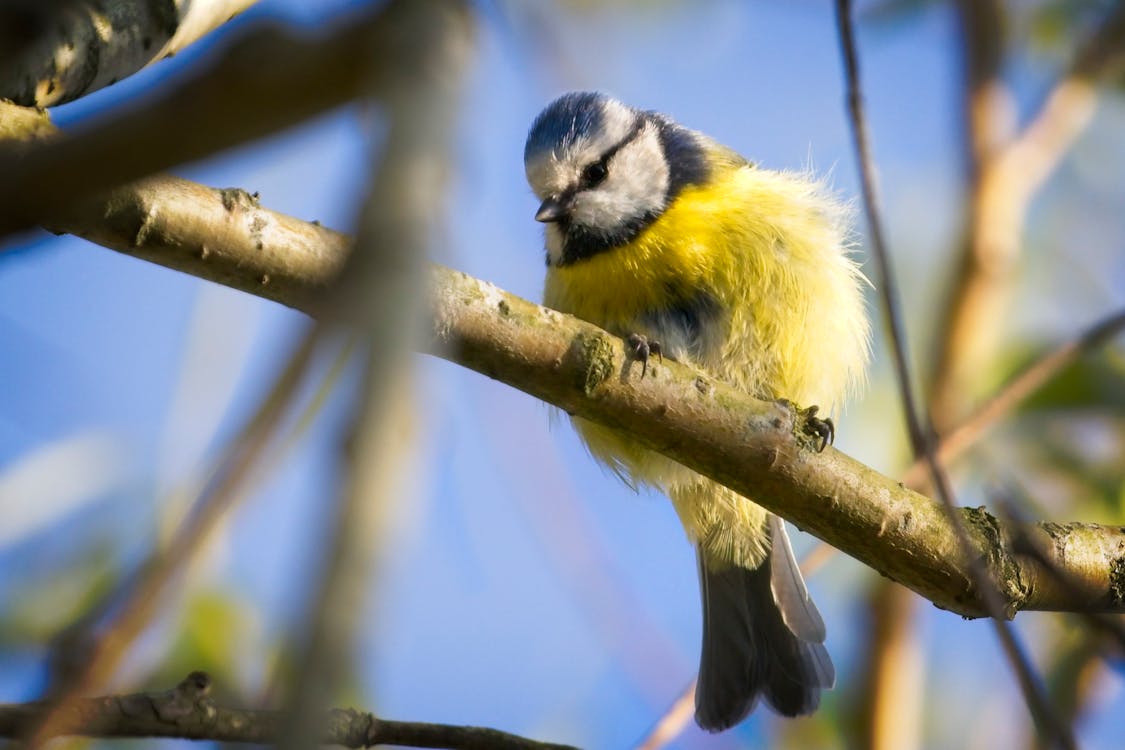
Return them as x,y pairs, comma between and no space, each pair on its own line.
1096,382
217,633
1057,23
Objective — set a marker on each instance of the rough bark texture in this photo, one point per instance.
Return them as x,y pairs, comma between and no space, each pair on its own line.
762,449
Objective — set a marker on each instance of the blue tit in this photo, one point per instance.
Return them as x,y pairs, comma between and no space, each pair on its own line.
658,233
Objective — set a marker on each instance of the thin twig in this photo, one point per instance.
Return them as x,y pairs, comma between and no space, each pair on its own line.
1018,390
921,441
672,721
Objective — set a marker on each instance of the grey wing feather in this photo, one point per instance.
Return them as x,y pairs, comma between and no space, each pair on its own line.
797,608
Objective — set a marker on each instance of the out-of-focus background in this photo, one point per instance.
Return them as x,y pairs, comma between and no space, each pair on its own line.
528,589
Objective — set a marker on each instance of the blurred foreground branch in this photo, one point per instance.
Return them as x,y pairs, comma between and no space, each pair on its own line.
188,712
380,295
55,51
271,78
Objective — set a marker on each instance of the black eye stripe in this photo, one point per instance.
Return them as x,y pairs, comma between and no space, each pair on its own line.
595,172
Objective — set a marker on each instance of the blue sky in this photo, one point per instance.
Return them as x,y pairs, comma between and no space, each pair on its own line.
527,589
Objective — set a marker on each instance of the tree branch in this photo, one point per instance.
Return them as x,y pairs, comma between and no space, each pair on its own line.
760,449
269,79
921,436
188,712
69,49
381,296
755,447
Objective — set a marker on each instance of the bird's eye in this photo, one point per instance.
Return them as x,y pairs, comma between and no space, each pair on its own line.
593,174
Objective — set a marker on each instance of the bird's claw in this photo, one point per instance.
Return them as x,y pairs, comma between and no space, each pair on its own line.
822,429
640,348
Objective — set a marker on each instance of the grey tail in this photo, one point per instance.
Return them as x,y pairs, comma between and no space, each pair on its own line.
762,637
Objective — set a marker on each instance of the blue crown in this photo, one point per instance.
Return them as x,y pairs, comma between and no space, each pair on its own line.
564,119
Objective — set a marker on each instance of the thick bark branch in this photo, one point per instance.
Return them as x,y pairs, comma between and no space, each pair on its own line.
222,235
760,449
269,79
188,712
756,447
752,446
68,49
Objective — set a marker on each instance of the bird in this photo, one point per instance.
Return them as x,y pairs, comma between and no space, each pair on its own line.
661,235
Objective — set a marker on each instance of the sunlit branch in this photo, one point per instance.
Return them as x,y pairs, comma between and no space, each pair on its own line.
867,515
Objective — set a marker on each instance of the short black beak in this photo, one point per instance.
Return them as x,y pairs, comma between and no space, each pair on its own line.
551,210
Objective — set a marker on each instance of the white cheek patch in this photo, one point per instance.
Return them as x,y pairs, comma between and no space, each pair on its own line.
636,186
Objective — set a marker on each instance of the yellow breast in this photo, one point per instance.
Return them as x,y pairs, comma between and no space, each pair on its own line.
769,247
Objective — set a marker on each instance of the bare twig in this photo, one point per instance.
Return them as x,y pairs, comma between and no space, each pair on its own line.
893,611
923,445
188,712
672,721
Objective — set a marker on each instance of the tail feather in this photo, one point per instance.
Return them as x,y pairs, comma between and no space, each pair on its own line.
762,637
798,612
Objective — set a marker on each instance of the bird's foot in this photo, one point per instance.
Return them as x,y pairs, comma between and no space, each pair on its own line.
640,349
823,430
